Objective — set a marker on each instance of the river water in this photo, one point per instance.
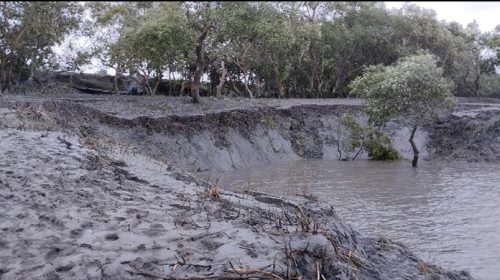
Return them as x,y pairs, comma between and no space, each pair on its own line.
448,213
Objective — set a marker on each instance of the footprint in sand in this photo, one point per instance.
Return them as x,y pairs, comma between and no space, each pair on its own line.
65,268
155,230
76,232
111,237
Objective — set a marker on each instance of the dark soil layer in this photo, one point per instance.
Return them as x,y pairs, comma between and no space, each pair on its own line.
472,134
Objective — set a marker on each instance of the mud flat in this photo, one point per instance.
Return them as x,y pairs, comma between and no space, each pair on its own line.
80,202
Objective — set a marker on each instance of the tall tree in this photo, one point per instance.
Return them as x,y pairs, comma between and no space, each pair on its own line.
157,42
201,17
107,27
470,62
234,41
29,30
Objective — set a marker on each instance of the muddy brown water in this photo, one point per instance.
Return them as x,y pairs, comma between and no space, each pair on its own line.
448,213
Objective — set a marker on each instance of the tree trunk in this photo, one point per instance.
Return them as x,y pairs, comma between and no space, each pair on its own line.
311,77
247,88
155,88
259,84
339,80
414,147
477,85
123,83
183,87
32,68
339,136
195,86
3,79
236,88
244,69
71,83
115,81
356,155
320,89
281,88
279,83
170,83
341,73
8,80
314,82
32,73
159,76
222,80
145,84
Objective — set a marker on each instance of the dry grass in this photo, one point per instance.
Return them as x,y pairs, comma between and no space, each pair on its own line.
268,121
306,224
424,268
33,117
213,192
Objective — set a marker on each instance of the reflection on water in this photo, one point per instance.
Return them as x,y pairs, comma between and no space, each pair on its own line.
448,213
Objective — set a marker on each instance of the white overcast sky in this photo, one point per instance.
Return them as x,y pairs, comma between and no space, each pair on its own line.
487,14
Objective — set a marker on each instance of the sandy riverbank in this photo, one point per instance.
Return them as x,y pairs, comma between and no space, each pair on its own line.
70,212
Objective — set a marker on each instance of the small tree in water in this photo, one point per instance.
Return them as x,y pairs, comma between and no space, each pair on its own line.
412,90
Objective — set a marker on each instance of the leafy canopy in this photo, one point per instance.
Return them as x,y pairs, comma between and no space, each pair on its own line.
413,90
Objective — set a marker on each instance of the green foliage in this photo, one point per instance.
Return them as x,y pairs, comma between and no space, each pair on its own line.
156,42
356,133
467,63
379,146
490,85
366,137
160,38
28,31
280,49
413,90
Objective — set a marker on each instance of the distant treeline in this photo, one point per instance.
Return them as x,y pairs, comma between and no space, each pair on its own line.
253,49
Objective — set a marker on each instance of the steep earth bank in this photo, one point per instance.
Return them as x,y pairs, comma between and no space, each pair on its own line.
226,135
471,133
71,212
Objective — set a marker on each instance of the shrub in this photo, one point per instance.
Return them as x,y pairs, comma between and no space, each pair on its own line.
379,146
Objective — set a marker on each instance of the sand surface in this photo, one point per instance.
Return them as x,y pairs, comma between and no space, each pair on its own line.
67,214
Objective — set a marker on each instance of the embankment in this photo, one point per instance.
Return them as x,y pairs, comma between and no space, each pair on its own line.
233,136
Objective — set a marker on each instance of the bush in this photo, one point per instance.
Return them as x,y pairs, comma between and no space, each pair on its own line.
364,137
490,85
379,147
